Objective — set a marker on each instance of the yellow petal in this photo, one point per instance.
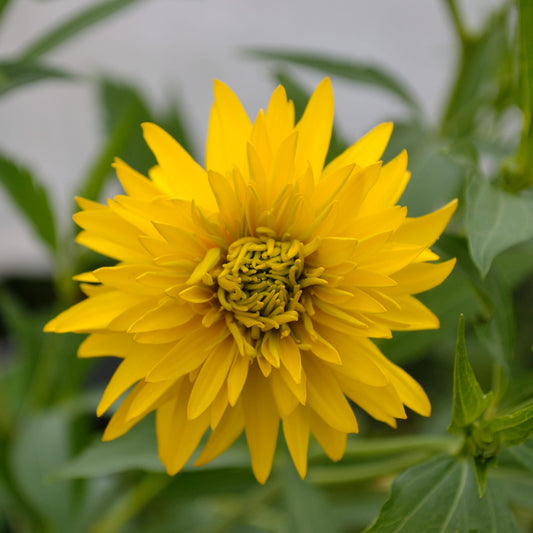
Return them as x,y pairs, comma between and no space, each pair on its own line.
365,151
228,133
237,378
325,397
296,431
93,313
178,436
227,431
119,424
286,401
211,378
412,315
279,117
262,423
183,177
106,343
420,277
332,441
425,230
314,130
391,183
290,357
134,183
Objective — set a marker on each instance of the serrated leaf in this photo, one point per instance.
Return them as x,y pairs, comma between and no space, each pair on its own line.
469,402
495,221
515,427
73,26
17,73
440,496
31,199
343,68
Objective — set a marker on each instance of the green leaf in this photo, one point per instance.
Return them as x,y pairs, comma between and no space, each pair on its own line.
73,26
523,454
495,221
343,68
39,447
125,111
515,427
137,450
14,74
483,59
309,511
31,199
469,402
440,496
526,55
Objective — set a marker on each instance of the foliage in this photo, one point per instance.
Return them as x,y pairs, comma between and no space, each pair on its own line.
55,474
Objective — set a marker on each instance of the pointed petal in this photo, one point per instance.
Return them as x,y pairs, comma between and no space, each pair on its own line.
229,131
296,431
314,130
180,175
262,423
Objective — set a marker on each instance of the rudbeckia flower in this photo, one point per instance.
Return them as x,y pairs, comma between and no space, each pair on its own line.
247,293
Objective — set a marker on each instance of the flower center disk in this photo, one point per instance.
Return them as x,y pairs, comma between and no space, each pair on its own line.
261,283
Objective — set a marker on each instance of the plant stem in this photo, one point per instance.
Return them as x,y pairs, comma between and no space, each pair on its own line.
458,25
130,504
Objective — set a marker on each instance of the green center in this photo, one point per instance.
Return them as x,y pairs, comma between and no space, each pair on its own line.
261,282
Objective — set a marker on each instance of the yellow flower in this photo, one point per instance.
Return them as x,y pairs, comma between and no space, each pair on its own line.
247,293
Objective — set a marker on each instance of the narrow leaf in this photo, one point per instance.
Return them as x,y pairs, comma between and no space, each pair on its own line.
125,111
343,68
495,221
526,55
440,496
73,26
17,73
469,402
31,199
40,445
515,427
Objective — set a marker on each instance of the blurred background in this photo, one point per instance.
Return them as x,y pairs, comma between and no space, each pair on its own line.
171,50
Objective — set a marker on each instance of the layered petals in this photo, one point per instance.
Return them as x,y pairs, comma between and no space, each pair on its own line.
246,293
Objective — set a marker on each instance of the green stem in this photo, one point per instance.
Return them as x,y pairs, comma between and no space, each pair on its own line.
130,504
458,25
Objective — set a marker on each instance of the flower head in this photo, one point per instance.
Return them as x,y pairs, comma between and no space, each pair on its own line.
247,293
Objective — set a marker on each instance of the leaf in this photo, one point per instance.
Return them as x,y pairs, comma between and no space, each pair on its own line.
526,55
17,73
137,450
495,221
309,511
469,402
124,112
73,26
477,77
515,427
39,447
523,454
440,496
343,68
31,199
